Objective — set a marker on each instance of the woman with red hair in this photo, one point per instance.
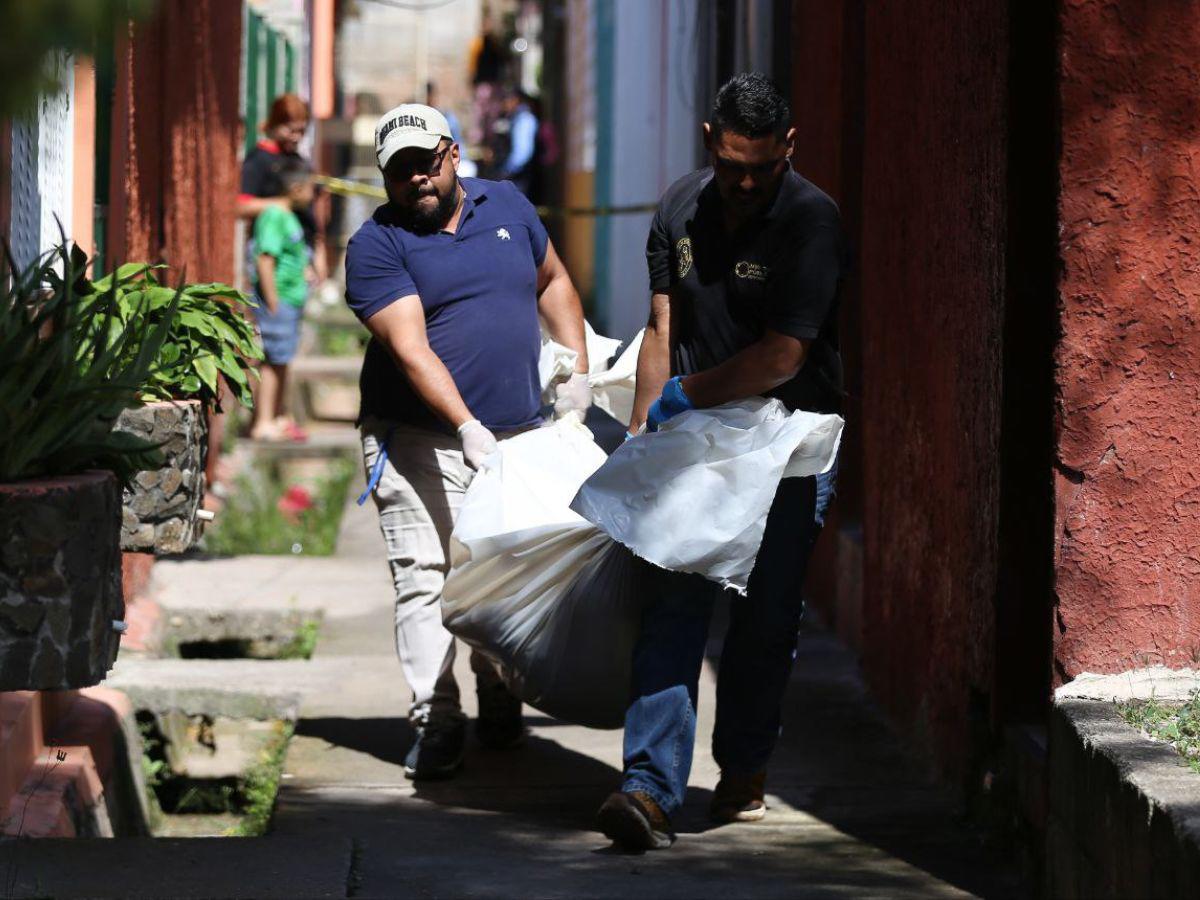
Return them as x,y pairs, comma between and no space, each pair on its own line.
262,186
283,130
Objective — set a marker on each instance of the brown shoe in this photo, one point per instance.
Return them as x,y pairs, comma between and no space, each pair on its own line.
634,821
738,798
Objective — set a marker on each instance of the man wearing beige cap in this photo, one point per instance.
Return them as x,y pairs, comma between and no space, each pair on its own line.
450,276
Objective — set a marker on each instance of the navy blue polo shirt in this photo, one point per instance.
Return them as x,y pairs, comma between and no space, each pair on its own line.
479,290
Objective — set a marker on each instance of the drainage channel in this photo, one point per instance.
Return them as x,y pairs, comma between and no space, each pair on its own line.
216,699
216,772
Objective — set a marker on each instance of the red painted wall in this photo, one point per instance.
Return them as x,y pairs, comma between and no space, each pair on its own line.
827,109
1128,364
932,264
176,133
901,115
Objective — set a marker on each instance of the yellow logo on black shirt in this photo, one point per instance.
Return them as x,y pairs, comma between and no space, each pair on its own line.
683,253
750,270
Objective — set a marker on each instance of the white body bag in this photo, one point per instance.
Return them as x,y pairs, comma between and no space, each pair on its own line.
542,573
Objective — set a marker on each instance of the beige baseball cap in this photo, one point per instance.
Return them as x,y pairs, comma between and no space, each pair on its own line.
409,125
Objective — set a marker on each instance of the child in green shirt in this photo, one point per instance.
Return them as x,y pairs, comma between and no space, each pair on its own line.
281,258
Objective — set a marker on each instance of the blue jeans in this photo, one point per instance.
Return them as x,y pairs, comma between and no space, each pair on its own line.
280,330
756,662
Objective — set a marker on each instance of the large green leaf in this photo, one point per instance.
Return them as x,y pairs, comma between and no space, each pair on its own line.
125,274
214,289
206,368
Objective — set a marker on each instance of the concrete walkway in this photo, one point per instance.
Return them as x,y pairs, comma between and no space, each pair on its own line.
847,819
848,816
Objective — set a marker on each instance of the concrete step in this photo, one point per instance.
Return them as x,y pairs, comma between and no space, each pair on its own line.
324,442
324,388
208,748
177,867
225,688
264,601
346,367
262,689
277,583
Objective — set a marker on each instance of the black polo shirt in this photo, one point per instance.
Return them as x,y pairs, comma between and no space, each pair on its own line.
782,272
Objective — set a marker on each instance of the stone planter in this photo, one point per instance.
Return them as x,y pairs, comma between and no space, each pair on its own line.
159,512
60,581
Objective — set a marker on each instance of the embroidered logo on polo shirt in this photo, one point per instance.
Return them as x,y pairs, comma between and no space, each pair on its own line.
503,234
683,253
750,270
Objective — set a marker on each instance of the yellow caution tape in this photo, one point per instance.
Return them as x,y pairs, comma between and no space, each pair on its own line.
348,188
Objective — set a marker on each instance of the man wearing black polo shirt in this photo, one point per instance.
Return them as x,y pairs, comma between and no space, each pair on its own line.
745,262
450,276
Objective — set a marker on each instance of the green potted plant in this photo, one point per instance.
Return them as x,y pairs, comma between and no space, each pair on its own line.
207,336
69,365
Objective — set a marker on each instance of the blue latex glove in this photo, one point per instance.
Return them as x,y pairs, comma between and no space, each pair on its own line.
670,403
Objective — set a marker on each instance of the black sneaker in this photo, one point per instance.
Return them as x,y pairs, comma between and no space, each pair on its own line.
633,821
739,798
438,749
499,725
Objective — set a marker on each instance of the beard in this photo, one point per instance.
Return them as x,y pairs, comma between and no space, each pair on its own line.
428,219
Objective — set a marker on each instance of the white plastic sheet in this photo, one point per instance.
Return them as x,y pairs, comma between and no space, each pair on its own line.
694,497
552,597
612,387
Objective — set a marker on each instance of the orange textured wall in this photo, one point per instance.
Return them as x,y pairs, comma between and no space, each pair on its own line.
1128,363
176,133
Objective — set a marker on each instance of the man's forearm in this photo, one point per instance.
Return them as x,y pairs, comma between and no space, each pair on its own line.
400,327
750,372
559,305
432,382
653,370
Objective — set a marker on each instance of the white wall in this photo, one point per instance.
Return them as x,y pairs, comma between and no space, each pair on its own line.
42,169
654,140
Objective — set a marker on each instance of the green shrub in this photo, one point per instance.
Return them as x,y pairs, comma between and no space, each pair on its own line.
1178,724
208,333
61,385
252,521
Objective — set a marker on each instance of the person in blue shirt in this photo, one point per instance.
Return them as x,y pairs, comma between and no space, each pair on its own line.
450,276
520,166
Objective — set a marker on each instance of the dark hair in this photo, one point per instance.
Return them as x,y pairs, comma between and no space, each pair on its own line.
293,170
751,105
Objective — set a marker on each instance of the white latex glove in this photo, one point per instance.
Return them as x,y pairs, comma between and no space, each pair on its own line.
478,443
573,395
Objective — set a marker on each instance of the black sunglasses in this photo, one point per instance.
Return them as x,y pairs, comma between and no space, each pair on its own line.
422,165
